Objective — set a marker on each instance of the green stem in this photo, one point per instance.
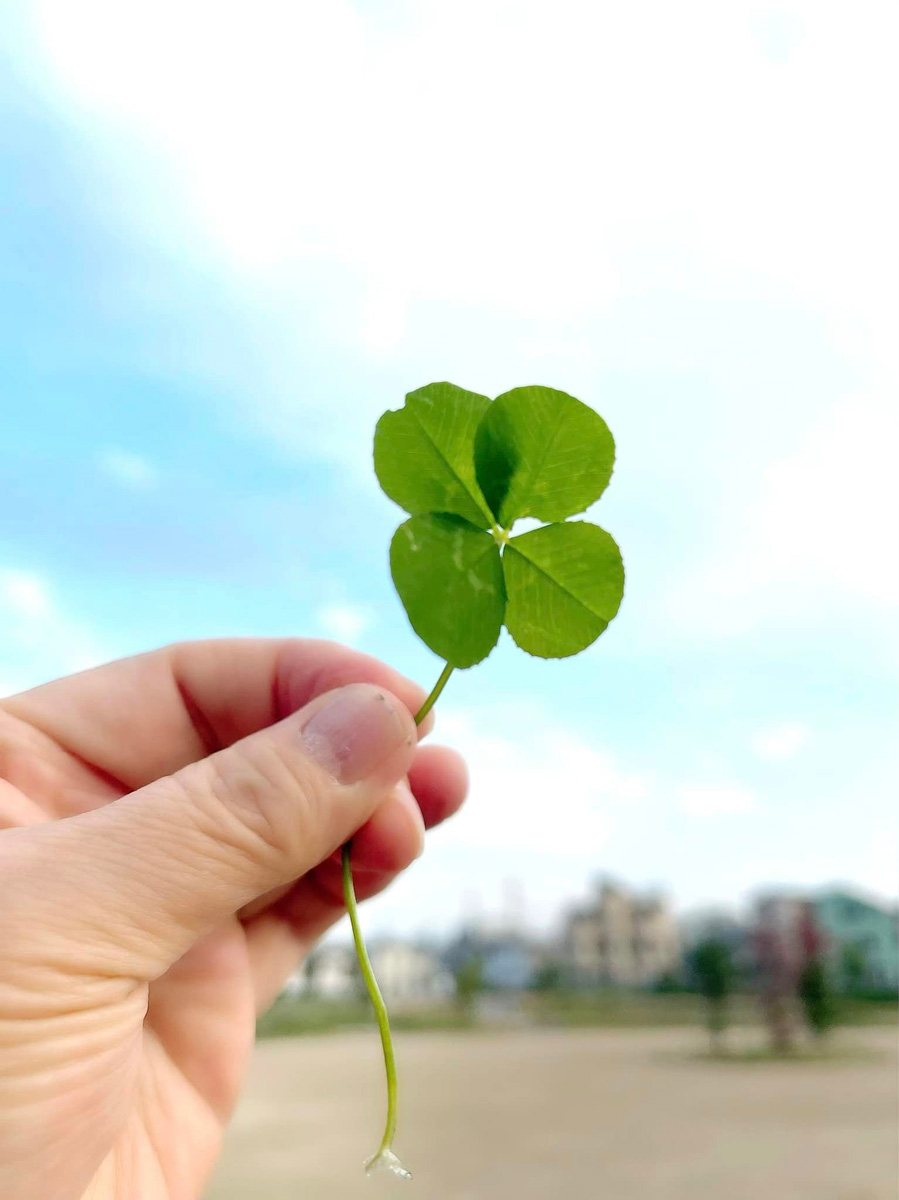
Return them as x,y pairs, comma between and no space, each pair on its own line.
349,894
435,692
371,983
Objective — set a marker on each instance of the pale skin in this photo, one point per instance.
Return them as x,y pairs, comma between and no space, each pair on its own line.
170,832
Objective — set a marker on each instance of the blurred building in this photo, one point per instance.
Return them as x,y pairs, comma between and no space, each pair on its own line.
622,939
332,973
298,983
409,973
863,940
509,964
507,961
859,939
405,972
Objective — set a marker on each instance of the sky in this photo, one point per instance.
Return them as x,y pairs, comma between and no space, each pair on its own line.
232,235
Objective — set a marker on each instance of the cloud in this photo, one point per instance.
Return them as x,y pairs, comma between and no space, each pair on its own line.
41,641
24,595
130,470
498,155
715,801
816,538
345,622
778,33
781,741
549,793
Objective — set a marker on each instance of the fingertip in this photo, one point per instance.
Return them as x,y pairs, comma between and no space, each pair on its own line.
393,837
360,733
439,779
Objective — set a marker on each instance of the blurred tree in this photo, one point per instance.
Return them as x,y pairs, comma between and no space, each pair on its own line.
714,973
814,986
469,978
668,985
853,968
817,998
548,977
776,969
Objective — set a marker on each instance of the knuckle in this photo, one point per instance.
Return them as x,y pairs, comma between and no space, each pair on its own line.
259,801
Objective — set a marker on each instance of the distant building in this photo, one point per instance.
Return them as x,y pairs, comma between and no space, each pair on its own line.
297,984
857,929
508,961
409,973
332,973
622,939
509,964
859,939
405,973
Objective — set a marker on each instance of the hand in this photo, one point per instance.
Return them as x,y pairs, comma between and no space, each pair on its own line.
171,827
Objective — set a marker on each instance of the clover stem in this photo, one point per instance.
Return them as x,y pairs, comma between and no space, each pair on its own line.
435,692
384,1155
377,1000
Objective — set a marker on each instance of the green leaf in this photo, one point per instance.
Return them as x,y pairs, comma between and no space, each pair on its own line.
541,453
450,579
424,453
564,584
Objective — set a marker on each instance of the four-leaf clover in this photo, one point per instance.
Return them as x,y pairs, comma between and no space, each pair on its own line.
467,468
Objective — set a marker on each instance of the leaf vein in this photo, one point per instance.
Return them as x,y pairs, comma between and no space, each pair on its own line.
561,586
452,470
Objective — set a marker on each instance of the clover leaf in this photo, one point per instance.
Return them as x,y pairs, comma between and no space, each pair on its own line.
541,453
423,453
450,579
461,465
564,584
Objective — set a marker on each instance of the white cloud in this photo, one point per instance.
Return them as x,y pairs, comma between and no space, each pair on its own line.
24,595
41,641
344,622
550,792
715,801
781,741
384,319
502,155
130,470
819,534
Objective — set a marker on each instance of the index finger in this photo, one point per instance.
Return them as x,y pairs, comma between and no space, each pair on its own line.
141,718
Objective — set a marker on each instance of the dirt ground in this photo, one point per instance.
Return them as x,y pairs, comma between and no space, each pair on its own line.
606,1114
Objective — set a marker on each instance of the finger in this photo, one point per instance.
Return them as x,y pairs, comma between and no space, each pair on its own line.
143,878
138,719
439,781
203,1001
279,939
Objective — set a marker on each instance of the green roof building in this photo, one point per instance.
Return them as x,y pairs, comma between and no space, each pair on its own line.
863,940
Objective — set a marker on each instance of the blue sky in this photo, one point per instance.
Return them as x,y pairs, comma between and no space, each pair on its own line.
231,238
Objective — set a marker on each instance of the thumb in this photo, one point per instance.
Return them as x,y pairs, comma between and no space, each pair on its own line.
144,877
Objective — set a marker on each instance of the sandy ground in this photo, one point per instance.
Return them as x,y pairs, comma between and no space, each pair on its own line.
616,1115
